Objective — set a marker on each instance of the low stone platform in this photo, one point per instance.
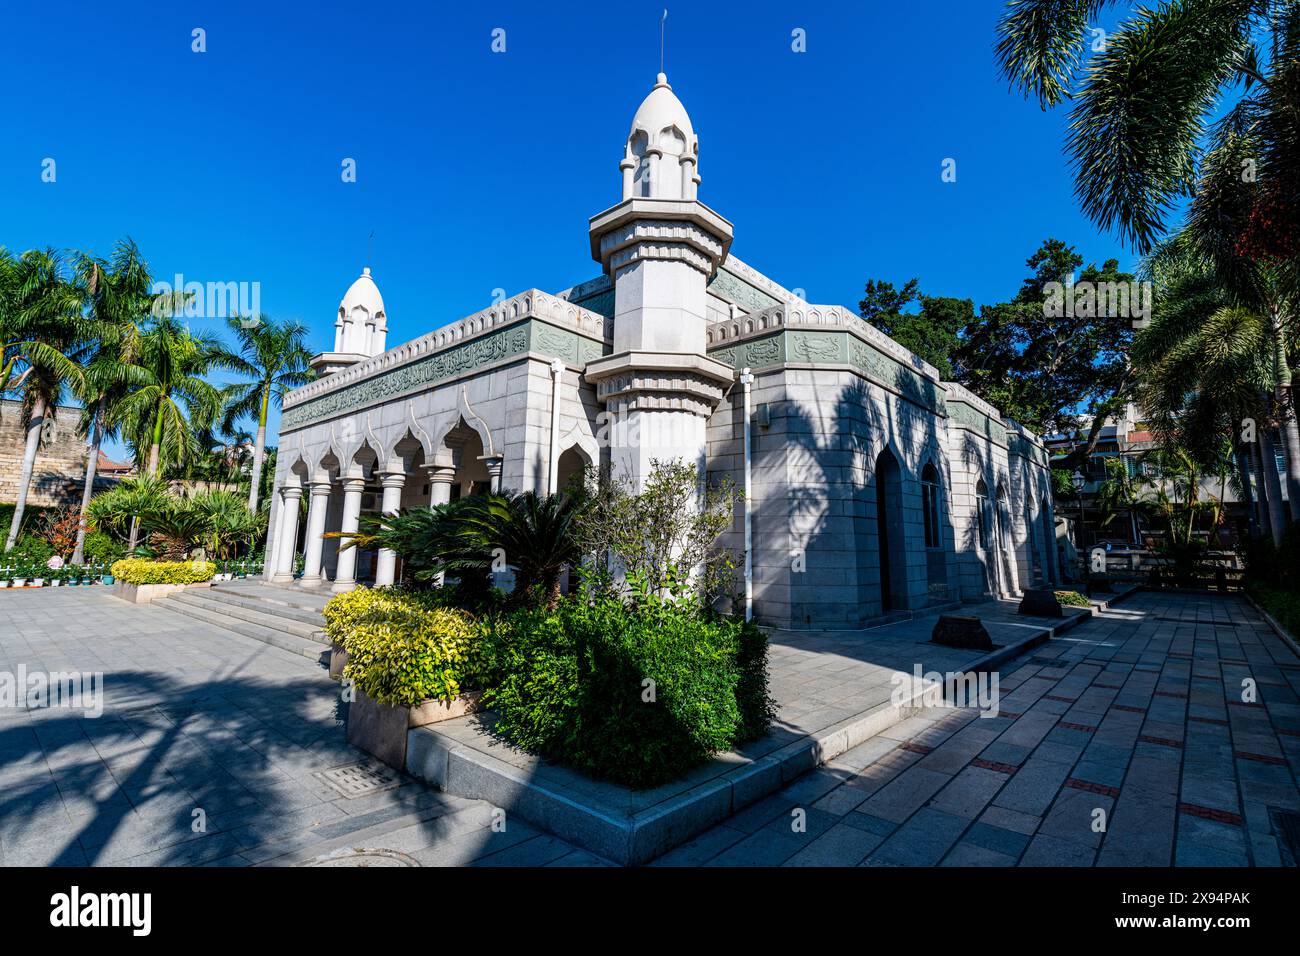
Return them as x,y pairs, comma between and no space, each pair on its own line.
834,691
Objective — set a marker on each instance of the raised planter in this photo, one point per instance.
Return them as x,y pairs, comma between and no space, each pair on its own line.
148,593
338,658
381,729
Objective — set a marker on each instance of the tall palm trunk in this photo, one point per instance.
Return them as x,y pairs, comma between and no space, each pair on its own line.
1271,484
92,462
259,449
1287,410
1247,493
155,452
34,425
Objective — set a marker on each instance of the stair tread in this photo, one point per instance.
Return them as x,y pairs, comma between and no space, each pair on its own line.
230,597
266,618
292,643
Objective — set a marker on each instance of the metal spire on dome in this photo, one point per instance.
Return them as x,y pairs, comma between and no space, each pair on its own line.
662,21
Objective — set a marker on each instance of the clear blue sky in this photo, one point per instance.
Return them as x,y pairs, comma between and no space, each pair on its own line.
478,170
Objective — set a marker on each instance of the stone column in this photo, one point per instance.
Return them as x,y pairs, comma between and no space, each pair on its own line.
386,564
314,546
441,478
286,542
494,463
354,483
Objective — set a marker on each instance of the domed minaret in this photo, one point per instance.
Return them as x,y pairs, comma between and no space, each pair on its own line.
660,246
361,328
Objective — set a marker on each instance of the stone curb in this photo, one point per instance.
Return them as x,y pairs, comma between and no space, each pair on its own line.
1277,627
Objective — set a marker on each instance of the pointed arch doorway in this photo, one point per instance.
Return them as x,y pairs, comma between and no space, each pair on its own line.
889,533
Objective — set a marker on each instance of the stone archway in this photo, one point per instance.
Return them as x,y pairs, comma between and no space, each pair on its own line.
890,534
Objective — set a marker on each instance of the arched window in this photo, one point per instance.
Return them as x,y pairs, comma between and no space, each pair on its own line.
982,512
930,505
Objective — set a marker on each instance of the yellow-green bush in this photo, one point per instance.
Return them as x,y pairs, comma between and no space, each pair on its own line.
405,647
148,571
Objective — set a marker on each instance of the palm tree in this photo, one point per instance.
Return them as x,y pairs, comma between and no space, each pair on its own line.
1205,365
45,342
119,298
173,399
1142,107
272,354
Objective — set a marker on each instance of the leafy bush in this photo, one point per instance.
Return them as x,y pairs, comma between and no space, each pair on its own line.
405,647
1072,599
145,571
31,548
100,548
638,696
1283,605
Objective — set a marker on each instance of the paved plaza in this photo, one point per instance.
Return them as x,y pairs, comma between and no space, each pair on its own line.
1125,741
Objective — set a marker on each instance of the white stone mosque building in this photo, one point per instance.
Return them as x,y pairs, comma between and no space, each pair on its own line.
874,487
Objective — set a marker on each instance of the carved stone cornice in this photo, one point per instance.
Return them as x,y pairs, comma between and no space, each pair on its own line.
663,381
677,229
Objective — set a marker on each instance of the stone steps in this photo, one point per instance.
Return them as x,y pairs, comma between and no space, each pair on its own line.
278,617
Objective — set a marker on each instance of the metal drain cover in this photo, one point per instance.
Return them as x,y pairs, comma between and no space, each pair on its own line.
356,856
360,779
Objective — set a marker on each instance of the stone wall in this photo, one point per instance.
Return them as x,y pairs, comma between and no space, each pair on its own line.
60,462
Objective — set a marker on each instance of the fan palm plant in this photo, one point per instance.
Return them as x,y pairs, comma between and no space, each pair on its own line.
114,511
45,341
273,356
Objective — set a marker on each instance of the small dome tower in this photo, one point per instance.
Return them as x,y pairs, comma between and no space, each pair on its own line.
662,154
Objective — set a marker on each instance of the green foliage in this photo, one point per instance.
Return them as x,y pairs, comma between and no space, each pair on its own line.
405,647
219,522
31,548
663,538
147,571
102,549
1036,362
1283,605
636,695
1072,599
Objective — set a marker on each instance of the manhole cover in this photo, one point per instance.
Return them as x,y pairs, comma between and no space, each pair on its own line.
362,857
360,779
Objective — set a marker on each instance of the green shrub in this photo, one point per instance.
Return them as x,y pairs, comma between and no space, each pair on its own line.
145,571
1283,605
638,696
405,647
1072,599
31,548
100,548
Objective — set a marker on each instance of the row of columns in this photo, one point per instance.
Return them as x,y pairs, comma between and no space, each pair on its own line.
353,483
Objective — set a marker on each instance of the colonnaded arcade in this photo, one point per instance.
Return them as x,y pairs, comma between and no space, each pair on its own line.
875,487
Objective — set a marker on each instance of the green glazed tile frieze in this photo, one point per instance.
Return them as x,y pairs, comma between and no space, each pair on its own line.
530,335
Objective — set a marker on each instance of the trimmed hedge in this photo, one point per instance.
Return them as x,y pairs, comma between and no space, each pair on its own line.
405,647
638,696
147,571
1072,599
